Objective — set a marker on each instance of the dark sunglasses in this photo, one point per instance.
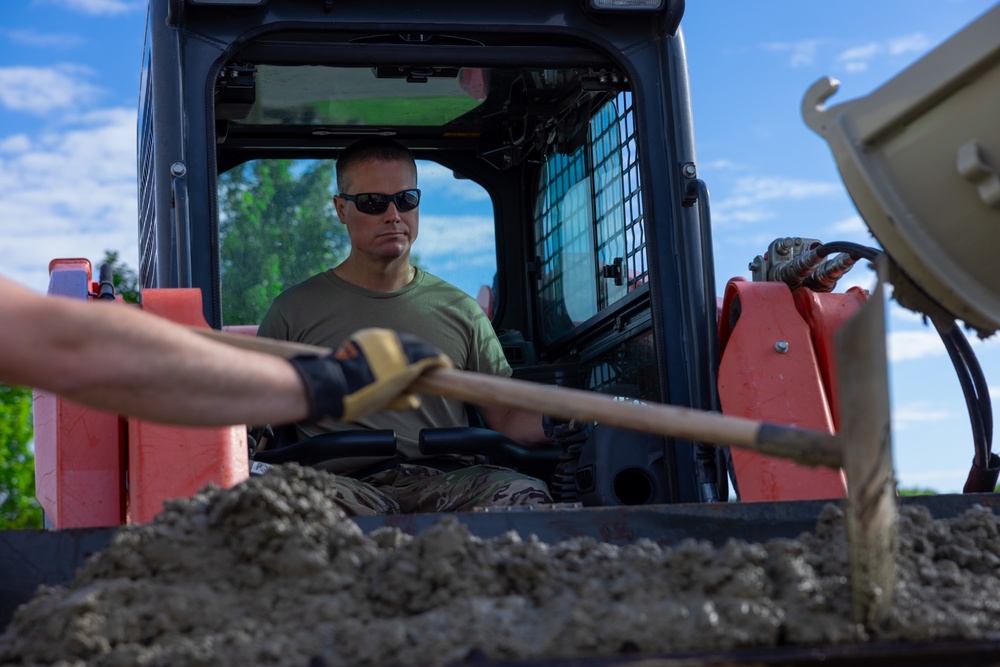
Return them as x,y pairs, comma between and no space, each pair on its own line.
373,203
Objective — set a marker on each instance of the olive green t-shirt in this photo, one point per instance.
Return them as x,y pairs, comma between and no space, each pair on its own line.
325,310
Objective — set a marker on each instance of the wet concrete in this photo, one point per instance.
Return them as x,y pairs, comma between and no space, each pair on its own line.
272,573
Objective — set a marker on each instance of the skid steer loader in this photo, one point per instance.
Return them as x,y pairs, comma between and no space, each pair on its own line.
571,121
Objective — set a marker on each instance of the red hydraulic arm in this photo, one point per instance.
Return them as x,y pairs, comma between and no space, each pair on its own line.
778,366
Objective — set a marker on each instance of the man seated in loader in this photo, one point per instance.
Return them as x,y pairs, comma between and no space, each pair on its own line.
377,286
118,358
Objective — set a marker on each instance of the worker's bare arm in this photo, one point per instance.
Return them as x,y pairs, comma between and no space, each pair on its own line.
520,425
112,356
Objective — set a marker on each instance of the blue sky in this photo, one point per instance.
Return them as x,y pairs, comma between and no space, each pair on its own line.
69,73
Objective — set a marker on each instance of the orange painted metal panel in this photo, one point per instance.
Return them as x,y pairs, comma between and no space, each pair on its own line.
79,463
759,381
825,313
79,452
71,263
167,462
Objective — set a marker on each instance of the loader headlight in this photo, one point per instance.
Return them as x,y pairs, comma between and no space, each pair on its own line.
626,5
248,3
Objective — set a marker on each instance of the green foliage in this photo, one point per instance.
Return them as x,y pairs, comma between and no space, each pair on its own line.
126,280
917,492
18,507
277,227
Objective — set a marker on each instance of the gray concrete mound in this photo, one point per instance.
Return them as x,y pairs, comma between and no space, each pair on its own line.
271,572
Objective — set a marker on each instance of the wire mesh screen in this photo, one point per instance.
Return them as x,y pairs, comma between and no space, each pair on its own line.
589,223
147,222
618,198
627,370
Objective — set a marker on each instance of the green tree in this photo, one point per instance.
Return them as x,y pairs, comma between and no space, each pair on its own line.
18,507
277,227
916,491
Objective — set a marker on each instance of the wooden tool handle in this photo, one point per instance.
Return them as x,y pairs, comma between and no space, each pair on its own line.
800,445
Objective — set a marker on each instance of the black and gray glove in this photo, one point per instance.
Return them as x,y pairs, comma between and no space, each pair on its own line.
372,371
566,432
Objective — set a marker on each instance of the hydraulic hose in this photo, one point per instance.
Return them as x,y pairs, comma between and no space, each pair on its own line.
811,271
855,250
985,464
106,286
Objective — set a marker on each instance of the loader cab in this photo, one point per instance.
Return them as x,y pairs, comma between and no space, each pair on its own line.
554,149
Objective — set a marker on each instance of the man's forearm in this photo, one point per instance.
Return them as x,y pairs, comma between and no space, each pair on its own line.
114,357
519,425
166,373
118,358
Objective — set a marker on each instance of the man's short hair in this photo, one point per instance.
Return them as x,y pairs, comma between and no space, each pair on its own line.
381,149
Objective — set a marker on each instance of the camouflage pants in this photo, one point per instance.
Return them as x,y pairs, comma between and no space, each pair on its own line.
411,488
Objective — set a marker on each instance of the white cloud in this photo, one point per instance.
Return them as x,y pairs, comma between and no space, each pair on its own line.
859,276
906,315
748,201
456,236
41,39
40,90
98,7
68,194
722,164
943,481
991,343
855,58
915,43
910,345
15,144
925,342
458,248
801,53
854,225
858,58
450,264
444,183
737,214
761,188
866,52
917,414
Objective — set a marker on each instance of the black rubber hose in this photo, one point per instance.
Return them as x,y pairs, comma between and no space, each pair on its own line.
810,270
980,439
970,376
855,250
979,381
106,287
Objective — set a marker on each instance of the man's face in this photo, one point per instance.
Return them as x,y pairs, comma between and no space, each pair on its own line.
382,236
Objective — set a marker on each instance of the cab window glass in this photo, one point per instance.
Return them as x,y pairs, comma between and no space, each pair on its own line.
588,223
278,226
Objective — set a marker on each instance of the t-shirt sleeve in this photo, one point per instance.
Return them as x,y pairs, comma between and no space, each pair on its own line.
487,356
274,324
